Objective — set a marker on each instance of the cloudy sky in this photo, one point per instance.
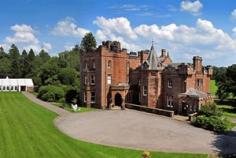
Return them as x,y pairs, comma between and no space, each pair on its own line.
184,27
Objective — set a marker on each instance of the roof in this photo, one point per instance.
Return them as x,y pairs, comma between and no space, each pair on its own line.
16,82
195,93
152,59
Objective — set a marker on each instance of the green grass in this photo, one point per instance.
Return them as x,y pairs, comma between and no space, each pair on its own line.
213,87
27,131
228,110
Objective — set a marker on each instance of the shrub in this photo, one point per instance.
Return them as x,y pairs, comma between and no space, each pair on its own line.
213,123
51,93
211,118
210,110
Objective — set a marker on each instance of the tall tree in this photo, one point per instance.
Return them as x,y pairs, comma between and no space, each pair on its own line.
24,63
14,56
2,53
88,42
44,56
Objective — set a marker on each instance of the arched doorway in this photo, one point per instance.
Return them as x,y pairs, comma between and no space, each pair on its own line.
118,99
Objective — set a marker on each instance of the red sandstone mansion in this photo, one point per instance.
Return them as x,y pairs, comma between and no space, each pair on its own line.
110,76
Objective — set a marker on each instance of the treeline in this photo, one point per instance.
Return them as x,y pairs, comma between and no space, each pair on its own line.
225,78
56,78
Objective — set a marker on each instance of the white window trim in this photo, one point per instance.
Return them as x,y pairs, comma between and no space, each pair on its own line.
109,79
145,94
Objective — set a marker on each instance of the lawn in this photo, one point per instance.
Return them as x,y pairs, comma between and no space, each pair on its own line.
228,110
213,87
27,130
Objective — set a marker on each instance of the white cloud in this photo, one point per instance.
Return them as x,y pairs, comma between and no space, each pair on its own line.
24,37
192,7
67,27
23,33
115,26
203,39
233,14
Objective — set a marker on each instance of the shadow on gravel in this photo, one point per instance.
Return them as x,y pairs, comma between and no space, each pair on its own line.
226,144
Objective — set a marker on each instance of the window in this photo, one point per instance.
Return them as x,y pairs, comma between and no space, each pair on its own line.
94,65
145,91
109,64
92,79
199,82
170,101
93,96
108,79
85,65
170,83
85,80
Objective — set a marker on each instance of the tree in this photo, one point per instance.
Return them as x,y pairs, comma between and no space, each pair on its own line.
3,54
231,78
5,67
88,42
31,55
14,56
44,56
67,76
24,63
49,72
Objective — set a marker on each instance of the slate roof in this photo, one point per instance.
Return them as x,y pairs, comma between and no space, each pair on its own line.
152,59
195,93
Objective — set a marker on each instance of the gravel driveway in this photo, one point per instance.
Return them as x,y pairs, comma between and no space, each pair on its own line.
140,130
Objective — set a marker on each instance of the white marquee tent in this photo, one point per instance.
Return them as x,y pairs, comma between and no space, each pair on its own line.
15,84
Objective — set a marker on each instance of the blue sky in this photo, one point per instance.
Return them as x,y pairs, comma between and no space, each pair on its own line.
184,27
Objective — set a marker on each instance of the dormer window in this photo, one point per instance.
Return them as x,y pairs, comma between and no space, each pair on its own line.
170,83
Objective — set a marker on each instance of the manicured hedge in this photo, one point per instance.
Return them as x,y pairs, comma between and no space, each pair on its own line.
51,93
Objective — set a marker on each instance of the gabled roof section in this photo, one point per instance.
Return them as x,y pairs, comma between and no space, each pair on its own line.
152,59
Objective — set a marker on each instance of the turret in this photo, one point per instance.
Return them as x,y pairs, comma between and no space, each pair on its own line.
197,64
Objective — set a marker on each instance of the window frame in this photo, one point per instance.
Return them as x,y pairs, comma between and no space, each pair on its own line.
109,64
145,90
169,83
93,96
92,78
109,80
